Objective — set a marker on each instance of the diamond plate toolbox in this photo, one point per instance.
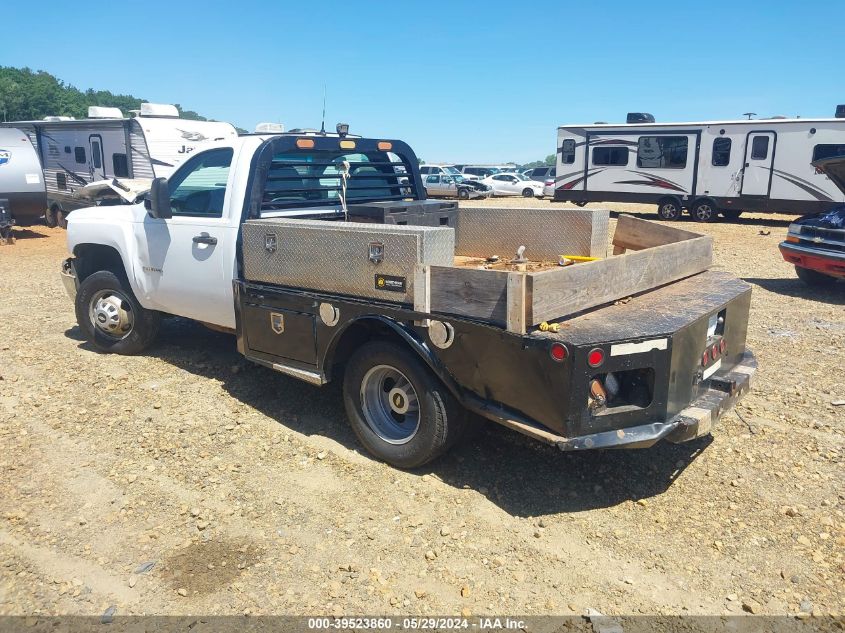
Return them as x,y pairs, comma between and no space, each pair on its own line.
358,259
545,233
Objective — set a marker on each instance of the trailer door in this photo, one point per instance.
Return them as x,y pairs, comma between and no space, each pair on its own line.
95,147
759,158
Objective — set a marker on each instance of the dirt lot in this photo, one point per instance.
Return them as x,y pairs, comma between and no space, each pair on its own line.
246,491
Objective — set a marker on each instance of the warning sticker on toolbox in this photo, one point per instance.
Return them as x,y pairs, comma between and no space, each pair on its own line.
391,283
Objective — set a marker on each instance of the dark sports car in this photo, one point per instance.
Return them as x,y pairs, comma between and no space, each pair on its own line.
815,244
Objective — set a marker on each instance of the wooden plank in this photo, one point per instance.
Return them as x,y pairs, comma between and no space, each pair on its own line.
476,293
558,293
517,283
636,234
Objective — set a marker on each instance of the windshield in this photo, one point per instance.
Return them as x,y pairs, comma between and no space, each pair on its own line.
451,171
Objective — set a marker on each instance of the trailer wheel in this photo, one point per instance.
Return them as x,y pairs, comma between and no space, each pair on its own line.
50,218
731,214
527,193
463,194
399,410
669,209
814,278
111,317
704,211
580,203
61,219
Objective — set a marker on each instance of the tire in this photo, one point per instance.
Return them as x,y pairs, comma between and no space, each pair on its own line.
731,214
61,219
704,211
375,374
463,194
527,193
106,297
669,210
814,278
580,203
50,218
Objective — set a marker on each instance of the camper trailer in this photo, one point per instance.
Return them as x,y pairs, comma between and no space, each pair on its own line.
709,169
22,196
107,145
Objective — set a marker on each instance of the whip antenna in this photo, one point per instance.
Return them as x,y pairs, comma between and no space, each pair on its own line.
323,124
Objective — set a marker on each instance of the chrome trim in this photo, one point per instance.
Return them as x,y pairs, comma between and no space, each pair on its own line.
303,374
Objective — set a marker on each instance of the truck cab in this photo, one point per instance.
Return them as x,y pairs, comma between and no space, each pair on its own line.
322,255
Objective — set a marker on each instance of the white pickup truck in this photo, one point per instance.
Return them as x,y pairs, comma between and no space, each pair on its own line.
322,255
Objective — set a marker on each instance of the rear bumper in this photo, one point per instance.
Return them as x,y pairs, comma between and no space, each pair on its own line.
827,262
696,420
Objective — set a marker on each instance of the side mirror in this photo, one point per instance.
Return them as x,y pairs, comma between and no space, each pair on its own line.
158,199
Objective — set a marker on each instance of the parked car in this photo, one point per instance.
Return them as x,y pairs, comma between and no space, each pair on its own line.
549,188
511,184
815,244
540,174
441,185
478,173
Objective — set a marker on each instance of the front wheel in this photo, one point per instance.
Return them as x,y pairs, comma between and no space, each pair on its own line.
111,317
704,211
527,193
463,194
399,410
814,278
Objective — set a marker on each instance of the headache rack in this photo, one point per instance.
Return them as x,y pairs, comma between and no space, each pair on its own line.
313,176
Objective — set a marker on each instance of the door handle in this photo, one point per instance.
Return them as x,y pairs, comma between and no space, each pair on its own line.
205,239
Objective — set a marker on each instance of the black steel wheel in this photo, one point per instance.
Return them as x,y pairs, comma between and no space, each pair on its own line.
704,211
399,410
669,209
111,317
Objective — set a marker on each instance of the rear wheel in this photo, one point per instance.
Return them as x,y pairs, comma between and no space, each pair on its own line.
111,317
704,211
527,193
399,410
813,277
669,210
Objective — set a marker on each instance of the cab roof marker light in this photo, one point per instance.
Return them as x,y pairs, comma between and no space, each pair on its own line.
347,144
385,146
305,143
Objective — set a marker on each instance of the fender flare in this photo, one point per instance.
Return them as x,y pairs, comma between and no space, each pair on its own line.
407,336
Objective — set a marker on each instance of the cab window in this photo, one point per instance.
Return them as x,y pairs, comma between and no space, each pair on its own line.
199,187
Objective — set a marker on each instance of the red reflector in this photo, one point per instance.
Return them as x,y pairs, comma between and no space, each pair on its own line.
557,352
595,357
715,351
705,358
723,346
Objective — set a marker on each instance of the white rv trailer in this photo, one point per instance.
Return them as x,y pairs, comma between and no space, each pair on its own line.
22,196
106,145
707,168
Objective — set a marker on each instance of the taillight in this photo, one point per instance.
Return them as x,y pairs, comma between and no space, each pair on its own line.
705,358
723,346
558,352
549,182
595,357
715,351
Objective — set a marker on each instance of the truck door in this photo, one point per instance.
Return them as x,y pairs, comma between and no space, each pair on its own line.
187,261
759,158
95,148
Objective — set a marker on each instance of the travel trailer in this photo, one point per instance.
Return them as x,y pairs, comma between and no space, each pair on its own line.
707,168
22,196
107,145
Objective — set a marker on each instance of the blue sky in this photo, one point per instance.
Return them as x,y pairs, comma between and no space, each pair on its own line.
460,81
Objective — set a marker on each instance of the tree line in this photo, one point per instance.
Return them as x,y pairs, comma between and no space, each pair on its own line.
28,95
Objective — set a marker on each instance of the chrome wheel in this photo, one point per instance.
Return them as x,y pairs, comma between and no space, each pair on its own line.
111,314
390,404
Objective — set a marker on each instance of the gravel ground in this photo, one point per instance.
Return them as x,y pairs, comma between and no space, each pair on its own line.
190,481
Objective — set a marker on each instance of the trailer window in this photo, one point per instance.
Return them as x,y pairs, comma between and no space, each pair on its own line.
95,154
80,155
828,151
662,152
567,151
721,152
610,156
61,182
760,148
120,165
313,178
199,187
